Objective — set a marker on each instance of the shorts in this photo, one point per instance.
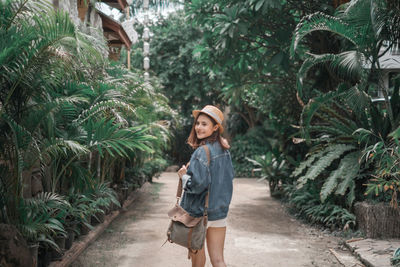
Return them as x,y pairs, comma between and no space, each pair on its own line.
217,223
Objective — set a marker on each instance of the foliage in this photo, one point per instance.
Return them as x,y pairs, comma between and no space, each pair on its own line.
345,124
274,168
146,172
395,259
68,115
173,61
385,182
306,203
246,43
245,146
82,208
101,195
184,80
40,218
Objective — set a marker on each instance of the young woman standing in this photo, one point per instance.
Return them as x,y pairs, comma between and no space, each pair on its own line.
218,176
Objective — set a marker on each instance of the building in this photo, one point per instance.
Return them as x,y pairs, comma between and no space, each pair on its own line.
117,34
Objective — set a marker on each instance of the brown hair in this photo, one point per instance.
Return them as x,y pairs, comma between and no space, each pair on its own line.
194,142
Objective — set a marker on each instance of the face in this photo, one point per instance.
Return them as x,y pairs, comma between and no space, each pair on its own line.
204,127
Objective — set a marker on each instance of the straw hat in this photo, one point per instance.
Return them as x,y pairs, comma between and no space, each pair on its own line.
214,113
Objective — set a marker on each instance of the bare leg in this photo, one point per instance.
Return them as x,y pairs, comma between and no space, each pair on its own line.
199,259
215,245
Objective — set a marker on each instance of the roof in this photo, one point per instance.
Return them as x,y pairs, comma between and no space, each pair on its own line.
117,33
119,4
389,61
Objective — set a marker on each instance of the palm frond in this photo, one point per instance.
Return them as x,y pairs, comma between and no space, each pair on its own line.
105,135
314,105
321,22
357,100
22,137
346,65
101,107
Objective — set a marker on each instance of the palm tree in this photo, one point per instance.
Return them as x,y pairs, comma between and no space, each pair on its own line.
365,28
59,106
40,47
343,122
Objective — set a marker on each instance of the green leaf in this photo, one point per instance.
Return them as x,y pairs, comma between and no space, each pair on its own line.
346,171
331,153
258,5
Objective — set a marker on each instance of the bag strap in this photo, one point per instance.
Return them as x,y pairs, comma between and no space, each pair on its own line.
208,189
179,189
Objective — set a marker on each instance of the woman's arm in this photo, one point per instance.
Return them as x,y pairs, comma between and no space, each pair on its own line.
198,177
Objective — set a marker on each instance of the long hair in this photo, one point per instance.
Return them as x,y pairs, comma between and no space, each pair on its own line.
194,142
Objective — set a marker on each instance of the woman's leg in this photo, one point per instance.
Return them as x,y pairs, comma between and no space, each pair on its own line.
198,259
215,245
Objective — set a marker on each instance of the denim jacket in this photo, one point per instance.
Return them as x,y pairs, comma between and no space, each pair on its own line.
218,177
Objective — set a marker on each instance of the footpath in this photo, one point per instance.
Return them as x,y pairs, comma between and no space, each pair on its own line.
259,233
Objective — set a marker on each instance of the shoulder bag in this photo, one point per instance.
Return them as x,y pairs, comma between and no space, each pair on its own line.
185,230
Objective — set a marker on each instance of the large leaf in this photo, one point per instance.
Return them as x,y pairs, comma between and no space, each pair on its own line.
330,154
321,22
342,177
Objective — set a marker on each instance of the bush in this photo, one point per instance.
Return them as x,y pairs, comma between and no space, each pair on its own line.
305,203
140,174
253,143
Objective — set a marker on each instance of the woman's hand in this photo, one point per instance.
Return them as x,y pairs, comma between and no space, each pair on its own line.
182,171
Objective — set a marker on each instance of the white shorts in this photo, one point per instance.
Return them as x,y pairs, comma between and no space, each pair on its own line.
217,223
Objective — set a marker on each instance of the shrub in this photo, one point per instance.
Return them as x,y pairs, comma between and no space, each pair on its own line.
305,203
149,169
253,143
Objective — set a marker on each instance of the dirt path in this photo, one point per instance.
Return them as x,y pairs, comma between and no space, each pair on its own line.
260,233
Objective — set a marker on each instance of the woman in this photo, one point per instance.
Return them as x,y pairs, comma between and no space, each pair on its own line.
199,176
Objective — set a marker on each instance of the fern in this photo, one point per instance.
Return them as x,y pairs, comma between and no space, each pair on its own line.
349,173
346,171
306,163
331,153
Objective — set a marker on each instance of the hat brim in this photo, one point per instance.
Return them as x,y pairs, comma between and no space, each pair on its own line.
196,113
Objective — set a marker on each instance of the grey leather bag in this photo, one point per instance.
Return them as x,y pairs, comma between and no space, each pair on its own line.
185,230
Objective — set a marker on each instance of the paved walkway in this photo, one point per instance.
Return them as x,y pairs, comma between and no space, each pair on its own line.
260,233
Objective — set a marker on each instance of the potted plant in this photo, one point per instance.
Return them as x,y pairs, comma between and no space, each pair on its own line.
103,197
39,219
80,213
57,253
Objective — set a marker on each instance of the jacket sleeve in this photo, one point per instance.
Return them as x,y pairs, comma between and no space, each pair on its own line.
198,174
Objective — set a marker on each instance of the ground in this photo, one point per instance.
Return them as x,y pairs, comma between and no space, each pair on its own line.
260,233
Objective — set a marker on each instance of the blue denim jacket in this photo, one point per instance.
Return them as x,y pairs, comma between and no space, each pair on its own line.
218,176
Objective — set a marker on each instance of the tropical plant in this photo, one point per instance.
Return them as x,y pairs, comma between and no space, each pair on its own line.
41,218
274,168
41,46
395,259
102,195
305,202
67,115
249,145
344,124
81,209
385,181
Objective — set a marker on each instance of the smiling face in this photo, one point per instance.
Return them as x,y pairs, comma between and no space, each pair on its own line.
204,127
